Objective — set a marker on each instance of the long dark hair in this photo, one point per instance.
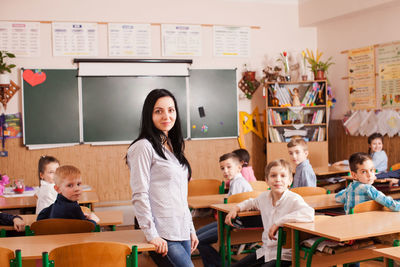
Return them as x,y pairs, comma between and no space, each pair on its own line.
155,136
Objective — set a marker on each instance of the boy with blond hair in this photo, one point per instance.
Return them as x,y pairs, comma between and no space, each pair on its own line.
298,152
68,186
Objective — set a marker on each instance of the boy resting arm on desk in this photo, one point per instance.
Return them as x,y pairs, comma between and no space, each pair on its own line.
277,206
361,189
298,152
8,219
68,185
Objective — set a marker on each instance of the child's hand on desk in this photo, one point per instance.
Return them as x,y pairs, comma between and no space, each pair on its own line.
161,245
272,232
19,224
231,215
92,216
393,181
194,241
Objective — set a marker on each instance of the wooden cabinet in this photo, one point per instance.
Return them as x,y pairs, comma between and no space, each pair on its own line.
308,120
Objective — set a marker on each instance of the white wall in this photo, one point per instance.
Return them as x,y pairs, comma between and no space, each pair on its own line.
279,29
373,26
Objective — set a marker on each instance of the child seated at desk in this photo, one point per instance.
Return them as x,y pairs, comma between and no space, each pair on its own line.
207,235
361,189
15,220
298,152
277,206
247,171
68,185
47,194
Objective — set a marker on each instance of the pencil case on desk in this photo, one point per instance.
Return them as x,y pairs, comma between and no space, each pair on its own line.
248,222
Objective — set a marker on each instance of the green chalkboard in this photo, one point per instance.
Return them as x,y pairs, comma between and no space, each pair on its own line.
112,106
213,103
51,109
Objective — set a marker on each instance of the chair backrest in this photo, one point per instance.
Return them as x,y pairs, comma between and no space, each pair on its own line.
370,205
61,226
395,167
5,256
198,187
259,185
309,191
104,254
236,198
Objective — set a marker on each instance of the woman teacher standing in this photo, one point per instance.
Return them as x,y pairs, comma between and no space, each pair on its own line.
159,174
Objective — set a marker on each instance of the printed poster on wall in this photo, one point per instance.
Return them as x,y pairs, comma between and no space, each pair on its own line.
20,38
231,41
74,39
181,40
129,39
388,58
361,73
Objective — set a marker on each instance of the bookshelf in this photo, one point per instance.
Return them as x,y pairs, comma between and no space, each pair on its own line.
309,120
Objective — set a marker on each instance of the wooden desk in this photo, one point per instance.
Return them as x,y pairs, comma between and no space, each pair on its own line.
328,171
87,198
345,228
107,218
33,246
326,201
392,253
199,202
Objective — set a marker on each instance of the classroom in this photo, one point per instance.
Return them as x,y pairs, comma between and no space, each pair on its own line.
273,27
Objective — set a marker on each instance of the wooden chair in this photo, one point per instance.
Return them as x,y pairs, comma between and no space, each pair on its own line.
104,254
395,167
309,191
7,258
198,187
259,185
370,205
61,226
243,196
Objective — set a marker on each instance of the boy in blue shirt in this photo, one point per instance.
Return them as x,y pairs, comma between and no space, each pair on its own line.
361,189
298,152
68,186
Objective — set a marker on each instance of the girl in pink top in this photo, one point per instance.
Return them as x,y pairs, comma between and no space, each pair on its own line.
247,171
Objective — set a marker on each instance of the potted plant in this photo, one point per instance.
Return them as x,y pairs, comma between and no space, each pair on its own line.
317,66
5,69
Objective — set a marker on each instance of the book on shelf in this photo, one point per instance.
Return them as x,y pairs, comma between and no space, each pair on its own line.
321,134
312,93
315,134
318,116
274,135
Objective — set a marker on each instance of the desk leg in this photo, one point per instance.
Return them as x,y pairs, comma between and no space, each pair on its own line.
228,244
296,248
135,256
221,237
2,233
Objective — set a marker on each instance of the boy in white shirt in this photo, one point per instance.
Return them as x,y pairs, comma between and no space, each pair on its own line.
277,206
207,235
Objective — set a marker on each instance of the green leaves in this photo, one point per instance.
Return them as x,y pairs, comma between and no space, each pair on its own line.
3,65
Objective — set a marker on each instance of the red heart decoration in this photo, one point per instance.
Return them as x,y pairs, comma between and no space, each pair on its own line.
34,78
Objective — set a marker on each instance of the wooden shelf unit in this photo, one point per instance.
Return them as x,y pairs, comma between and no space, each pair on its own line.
318,150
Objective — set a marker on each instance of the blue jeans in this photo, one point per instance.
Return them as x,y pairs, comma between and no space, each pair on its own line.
178,255
208,235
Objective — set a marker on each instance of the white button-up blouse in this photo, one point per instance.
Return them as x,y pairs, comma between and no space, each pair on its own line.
159,195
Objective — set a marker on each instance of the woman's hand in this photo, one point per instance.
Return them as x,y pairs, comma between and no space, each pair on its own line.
272,232
231,215
19,224
194,241
161,245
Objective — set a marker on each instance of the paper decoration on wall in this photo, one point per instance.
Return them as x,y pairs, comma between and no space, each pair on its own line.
34,78
201,112
204,128
12,125
194,126
247,122
365,123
